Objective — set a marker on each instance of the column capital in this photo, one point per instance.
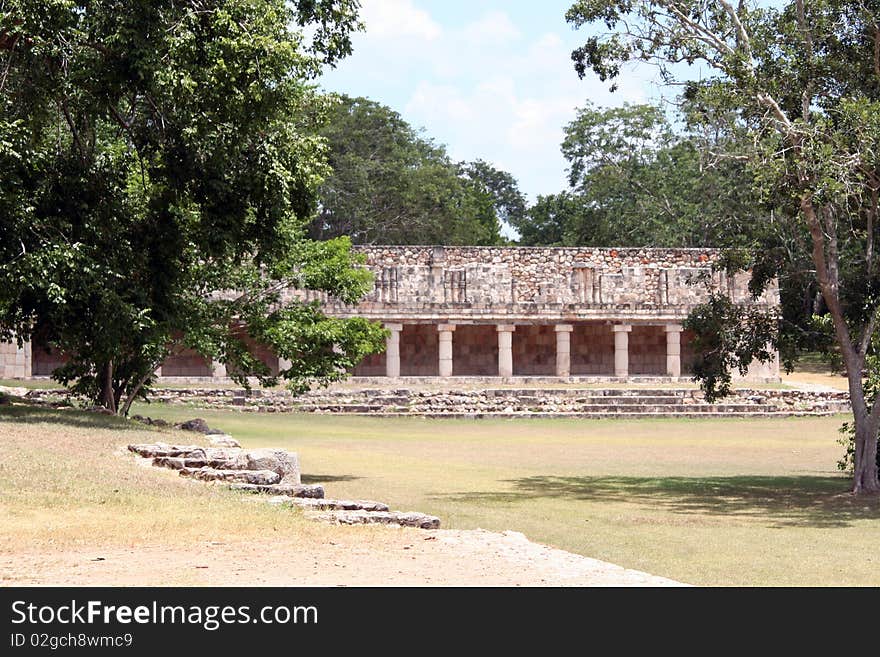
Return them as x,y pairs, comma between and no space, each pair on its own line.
563,328
393,326
505,328
673,328
621,328
445,327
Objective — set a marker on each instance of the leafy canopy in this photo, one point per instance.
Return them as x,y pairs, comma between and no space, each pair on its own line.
391,185
802,83
158,162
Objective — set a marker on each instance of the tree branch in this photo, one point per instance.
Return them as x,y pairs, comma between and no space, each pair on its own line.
742,37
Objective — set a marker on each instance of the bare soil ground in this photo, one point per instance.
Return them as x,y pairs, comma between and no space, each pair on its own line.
392,557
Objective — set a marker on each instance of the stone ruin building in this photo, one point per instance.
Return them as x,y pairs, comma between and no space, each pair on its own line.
578,313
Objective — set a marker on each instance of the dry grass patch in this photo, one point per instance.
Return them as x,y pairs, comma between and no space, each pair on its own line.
67,484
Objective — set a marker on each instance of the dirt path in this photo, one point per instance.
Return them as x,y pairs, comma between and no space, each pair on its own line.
388,557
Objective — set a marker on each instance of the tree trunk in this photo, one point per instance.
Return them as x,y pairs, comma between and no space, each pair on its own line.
865,477
108,397
126,407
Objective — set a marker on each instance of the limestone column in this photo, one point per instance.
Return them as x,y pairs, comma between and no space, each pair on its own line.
505,349
563,349
445,332
218,370
621,350
392,350
27,368
673,350
284,364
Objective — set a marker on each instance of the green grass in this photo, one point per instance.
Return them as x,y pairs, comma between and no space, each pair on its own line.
32,384
726,502
67,483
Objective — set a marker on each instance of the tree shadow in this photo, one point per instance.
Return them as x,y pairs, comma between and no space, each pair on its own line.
73,417
326,479
806,501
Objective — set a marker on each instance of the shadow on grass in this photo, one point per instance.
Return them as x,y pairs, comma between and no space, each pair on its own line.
326,479
33,414
806,501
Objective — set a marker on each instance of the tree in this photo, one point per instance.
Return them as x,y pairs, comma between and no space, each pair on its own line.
509,206
157,163
563,219
390,185
804,84
635,181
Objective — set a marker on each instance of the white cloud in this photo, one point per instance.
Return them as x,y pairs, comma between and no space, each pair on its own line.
487,88
386,19
493,27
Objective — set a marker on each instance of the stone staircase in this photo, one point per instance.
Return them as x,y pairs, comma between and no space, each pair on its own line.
569,402
512,402
273,474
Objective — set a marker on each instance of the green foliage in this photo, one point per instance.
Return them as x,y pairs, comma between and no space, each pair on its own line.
635,182
792,111
563,219
154,158
390,185
728,336
800,83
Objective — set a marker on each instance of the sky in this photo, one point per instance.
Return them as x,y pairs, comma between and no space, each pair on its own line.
489,79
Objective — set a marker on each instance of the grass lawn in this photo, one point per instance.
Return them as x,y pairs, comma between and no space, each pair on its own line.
67,484
726,502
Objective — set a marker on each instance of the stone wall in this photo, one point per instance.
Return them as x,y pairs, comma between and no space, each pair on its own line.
186,364
530,280
15,361
592,350
647,350
419,344
534,350
46,360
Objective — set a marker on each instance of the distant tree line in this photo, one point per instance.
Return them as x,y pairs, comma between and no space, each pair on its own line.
390,184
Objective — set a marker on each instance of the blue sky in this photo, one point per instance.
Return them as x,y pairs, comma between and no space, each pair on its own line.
489,79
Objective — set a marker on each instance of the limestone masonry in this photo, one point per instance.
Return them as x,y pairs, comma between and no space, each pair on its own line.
565,313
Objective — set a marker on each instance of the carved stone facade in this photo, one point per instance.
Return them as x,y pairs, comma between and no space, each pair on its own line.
535,311
507,312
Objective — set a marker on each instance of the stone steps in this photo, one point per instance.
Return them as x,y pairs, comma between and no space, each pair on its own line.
257,477
404,519
583,403
333,505
600,415
274,474
314,491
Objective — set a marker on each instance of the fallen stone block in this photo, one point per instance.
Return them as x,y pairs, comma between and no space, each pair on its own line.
285,463
152,450
178,462
196,424
315,491
338,505
222,440
408,519
263,477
